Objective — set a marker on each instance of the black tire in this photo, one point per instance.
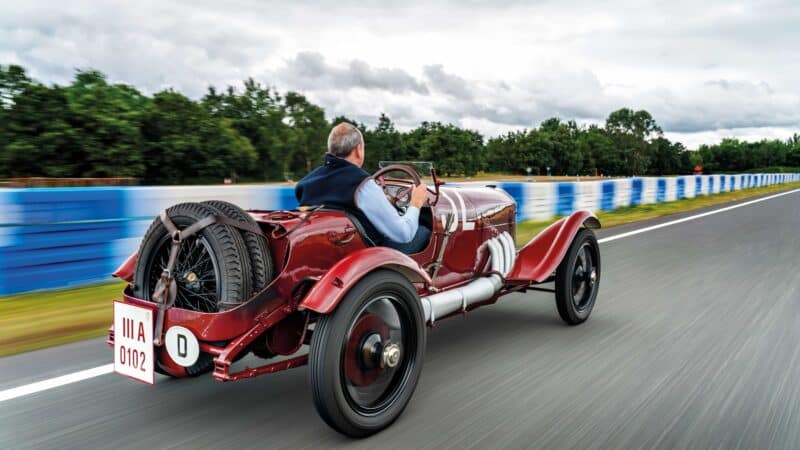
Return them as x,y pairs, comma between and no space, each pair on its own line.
330,375
578,278
257,247
226,253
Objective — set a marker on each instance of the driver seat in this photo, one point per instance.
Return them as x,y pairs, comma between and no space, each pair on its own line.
425,220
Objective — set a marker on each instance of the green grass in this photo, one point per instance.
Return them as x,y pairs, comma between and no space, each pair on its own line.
621,216
48,318
44,319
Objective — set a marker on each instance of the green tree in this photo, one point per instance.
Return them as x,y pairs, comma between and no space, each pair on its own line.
95,128
308,134
506,153
13,81
631,132
106,119
383,143
258,114
599,153
184,143
793,153
412,141
665,157
453,150
560,140
40,139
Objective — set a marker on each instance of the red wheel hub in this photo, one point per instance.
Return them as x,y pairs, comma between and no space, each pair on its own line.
359,371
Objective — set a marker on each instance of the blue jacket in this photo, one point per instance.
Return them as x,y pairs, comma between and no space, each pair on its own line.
335,185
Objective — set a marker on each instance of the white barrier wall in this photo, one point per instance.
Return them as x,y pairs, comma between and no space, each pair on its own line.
541,201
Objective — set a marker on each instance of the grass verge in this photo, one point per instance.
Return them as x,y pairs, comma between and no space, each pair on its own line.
44,319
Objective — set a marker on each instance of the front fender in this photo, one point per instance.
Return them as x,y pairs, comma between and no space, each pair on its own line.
540,257
326,293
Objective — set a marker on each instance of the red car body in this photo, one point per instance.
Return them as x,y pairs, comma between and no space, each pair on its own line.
324,255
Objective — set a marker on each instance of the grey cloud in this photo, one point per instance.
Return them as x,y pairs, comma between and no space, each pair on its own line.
140,46
446,83
724,104
578,95
749,88
527,102
309,70
694,66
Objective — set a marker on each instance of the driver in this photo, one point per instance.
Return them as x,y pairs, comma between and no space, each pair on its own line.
341,183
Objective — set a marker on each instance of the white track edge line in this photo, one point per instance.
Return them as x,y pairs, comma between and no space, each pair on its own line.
87,374
52,383
696,216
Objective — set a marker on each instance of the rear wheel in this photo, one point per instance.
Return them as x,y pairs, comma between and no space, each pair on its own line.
366,357
578,278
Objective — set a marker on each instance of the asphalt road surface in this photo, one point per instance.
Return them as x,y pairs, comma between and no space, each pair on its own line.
693,343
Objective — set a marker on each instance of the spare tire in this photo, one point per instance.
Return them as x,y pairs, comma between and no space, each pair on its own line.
212,271
256,244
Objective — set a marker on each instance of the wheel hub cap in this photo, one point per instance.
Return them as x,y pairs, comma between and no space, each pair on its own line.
391,355
371,351
190,281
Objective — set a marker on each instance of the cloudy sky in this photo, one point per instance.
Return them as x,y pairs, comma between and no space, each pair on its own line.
704,69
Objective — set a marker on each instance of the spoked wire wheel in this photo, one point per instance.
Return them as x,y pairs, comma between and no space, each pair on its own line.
196,274
366,357
212,272
578,278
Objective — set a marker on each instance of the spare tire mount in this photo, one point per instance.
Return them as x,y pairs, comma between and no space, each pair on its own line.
166,290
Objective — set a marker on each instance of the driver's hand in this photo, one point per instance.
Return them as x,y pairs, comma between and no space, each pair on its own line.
419,195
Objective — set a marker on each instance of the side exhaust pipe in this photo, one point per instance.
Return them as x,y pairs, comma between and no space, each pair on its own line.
502,254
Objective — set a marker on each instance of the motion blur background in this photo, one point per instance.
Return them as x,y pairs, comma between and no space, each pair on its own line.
111,111
184,93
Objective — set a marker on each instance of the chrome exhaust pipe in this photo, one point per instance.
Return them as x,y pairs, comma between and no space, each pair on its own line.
511,251
502,255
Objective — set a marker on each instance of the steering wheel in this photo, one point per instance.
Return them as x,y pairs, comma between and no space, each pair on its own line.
403,196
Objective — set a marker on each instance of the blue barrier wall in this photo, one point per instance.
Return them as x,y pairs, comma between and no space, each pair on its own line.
57,237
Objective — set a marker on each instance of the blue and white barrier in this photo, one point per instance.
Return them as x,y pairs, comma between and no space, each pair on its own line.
58,237
542,201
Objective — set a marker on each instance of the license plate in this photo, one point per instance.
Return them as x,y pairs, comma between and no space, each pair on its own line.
133,342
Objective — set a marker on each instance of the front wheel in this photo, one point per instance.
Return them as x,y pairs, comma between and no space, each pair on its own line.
366,357
578,278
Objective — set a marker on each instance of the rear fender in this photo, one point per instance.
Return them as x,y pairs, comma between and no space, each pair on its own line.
540,257
125,271
326,293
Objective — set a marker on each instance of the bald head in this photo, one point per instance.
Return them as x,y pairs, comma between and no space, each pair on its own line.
344,139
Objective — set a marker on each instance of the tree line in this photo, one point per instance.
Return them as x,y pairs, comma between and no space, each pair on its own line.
94,128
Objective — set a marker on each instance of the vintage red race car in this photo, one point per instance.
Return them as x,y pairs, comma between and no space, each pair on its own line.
211,284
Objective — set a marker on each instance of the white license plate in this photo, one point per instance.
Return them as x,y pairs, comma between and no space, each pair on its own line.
133,342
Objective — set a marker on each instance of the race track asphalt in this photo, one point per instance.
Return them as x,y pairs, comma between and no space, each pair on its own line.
693,344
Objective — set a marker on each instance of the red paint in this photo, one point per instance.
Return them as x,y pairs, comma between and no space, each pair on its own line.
538,259
318,262
125,271
287,336
331,288
297,361
353,370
